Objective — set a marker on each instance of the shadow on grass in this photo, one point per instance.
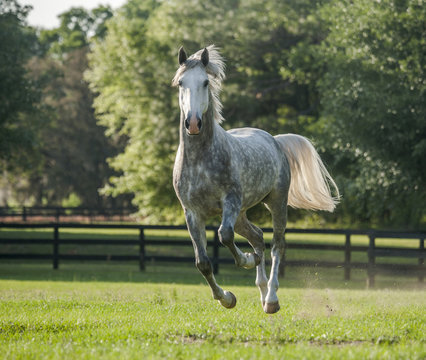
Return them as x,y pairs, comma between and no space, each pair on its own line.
229,275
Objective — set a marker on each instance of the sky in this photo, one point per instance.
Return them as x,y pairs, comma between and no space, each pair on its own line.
45,12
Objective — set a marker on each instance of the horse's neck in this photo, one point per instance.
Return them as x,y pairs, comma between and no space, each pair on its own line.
194,146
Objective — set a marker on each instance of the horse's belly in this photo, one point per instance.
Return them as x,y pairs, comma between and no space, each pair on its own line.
256,188
258,176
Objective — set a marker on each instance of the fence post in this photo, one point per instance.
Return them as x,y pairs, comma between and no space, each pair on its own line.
422,259
216,252
90,215
24,214
371,261
141,249
55,247
347,256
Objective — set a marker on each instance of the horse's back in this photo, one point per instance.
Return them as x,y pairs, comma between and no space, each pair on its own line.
249,133
256,143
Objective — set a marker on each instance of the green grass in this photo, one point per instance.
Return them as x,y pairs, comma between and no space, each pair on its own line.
92,311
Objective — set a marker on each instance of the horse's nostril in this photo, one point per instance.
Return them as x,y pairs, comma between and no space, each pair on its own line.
199,124
187,123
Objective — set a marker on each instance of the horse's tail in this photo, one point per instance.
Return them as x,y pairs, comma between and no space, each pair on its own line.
310,180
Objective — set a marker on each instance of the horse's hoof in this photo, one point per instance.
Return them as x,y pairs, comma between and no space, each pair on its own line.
229,304
271,308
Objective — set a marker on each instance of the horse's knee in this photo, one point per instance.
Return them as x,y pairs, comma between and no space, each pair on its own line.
260,247
204,266
279,246
281,243
226,235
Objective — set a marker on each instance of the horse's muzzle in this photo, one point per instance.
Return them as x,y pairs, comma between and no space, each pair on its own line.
193,125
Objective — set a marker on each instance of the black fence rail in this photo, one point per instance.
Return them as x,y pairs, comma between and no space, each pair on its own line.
57,213
374,252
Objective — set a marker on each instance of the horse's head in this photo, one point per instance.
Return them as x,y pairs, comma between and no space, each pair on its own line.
198,77
193,92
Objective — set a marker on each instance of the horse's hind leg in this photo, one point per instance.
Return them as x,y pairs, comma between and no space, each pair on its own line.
278,210
197,230
255,237
230,215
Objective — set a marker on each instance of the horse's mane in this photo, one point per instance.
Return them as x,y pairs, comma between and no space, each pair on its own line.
216,72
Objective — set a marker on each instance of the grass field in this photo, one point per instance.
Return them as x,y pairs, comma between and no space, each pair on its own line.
111,311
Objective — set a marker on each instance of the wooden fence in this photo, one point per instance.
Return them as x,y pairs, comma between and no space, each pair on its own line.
374,252
58,213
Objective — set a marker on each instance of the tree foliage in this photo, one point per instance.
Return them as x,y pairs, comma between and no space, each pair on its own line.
73,147
19,96
136,101
77,26
69,157
347,74
373,96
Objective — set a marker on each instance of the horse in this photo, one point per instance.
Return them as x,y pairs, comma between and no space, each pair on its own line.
218,172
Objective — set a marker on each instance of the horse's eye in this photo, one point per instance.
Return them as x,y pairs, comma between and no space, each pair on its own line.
180,82
206,83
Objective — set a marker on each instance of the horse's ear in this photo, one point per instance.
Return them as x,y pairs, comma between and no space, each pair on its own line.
182,55
205,57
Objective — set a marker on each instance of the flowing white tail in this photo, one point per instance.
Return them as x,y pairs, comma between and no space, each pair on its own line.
310,180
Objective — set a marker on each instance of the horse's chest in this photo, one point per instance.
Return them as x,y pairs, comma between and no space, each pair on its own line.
199,187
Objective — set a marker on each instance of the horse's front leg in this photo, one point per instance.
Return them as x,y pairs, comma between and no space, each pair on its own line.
230,213
197,231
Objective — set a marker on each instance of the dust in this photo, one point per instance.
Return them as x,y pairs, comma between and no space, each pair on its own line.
317,303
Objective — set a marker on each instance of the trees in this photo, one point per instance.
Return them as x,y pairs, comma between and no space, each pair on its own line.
69,157
77,25
132,70
347,74
373,97
75,148
19,96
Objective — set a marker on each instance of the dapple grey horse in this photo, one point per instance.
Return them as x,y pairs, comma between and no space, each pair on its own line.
220,172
